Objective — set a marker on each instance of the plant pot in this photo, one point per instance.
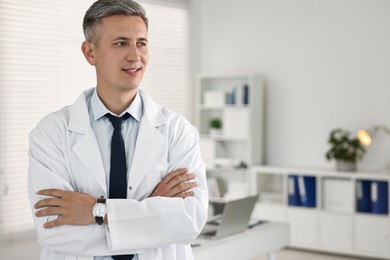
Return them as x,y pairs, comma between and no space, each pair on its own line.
346,166
215,131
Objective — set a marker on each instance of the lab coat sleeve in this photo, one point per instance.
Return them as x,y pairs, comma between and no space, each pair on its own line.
48,169
158,221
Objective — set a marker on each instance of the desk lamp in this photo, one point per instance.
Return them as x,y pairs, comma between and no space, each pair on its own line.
365,137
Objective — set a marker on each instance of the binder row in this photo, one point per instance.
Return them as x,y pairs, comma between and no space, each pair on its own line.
238,95
372,196
302,191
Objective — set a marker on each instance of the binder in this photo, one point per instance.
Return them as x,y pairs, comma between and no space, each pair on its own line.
380,197
294,198
363,192
245,95
307,188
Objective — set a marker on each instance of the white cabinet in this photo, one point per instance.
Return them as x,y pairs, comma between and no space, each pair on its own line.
336,230
373,235
339,219
303,226
237,102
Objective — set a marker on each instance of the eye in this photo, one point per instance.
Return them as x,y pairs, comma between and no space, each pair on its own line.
120,43
142,44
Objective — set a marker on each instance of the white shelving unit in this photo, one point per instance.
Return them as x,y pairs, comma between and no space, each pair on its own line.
334,224
230,155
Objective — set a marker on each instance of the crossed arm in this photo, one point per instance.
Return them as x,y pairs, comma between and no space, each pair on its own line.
75,208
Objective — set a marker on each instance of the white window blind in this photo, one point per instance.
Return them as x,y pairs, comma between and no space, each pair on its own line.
42,69
168,78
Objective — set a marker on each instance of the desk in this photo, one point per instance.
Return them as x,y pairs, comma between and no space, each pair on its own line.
264,239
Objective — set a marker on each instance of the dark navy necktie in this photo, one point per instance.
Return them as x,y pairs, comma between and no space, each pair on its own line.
118,168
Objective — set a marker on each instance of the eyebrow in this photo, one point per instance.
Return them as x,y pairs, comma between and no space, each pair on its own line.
126,39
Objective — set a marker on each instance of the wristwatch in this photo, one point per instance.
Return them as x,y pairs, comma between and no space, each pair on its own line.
99,210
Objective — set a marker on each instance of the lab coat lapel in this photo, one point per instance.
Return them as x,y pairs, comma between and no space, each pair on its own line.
86,147
150,142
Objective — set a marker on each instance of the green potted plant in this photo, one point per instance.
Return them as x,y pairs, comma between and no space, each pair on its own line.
215,125
345,149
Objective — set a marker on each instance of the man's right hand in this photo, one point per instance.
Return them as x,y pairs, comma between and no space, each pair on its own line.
176,184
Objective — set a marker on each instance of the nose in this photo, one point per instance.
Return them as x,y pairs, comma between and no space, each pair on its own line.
133,54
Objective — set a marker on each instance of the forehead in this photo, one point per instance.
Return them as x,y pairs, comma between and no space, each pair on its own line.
127,26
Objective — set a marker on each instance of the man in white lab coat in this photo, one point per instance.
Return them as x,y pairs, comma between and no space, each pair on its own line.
166,202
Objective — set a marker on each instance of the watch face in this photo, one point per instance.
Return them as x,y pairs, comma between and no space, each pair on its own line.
99,210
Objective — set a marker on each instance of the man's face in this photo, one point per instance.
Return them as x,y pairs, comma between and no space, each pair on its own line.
122,54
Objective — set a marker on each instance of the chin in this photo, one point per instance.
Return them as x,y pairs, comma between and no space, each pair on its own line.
129,87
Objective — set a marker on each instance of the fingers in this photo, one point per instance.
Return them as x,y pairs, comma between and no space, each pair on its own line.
175,178
52,192
54,223
181,179
174,174
49,202
174,183
185,194
51,198
49,212
182,188
73,208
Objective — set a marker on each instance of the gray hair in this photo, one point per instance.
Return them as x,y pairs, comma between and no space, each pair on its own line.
103,8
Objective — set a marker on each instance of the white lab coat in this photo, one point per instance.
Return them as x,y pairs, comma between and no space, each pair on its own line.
64,154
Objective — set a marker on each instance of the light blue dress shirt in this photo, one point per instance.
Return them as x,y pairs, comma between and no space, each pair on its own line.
103,129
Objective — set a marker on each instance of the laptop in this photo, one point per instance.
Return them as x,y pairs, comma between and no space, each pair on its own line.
234,218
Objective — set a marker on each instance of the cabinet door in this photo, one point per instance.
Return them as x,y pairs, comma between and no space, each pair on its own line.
303,226
336,230
373,235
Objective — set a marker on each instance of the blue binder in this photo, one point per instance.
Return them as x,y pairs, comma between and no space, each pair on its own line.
363,203
294,198
380,197
307,188
245,94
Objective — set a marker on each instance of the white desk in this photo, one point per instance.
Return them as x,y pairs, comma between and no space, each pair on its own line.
264,239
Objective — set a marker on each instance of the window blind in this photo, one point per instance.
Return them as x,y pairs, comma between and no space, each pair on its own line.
42,69
168,78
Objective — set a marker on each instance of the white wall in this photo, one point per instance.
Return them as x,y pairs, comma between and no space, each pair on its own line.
326,65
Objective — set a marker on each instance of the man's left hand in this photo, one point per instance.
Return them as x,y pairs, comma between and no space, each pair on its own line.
72,208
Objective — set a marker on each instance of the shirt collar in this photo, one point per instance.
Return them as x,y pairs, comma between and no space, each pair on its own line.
99,109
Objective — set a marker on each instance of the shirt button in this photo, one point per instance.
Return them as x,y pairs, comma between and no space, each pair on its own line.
130,188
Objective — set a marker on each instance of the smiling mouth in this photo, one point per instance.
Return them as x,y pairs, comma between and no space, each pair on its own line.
131,71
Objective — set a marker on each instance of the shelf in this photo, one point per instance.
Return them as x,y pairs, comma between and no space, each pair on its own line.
228,170
238,102
270,189
334,223
372,215
302,208
271,197
337,195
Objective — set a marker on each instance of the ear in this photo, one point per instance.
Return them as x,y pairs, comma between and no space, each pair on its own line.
88,50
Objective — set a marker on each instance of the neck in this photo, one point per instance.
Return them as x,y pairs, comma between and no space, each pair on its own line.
116,101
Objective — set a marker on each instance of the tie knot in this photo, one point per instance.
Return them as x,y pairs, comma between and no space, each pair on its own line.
117,121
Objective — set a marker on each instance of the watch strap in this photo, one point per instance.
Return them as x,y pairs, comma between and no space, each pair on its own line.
99,220
101,200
